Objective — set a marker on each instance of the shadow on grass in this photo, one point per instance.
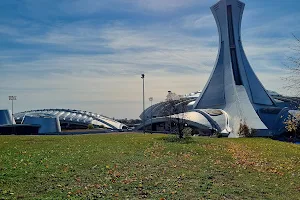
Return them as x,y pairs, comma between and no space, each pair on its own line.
175,139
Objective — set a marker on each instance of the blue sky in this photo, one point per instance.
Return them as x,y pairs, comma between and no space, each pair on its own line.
89,54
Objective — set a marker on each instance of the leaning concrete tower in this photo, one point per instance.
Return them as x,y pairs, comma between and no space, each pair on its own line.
233,85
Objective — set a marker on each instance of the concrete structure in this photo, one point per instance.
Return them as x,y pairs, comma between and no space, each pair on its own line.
6,117
48,123
233,90
284,106
8,125
72,119
188,101
233,86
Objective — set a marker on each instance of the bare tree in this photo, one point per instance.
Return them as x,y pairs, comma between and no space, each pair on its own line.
292,80
175,112
292,83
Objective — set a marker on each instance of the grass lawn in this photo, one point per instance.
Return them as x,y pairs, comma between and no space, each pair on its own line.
136,166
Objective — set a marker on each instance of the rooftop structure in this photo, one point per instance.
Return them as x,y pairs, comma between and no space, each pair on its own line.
48,123
6,117
74,118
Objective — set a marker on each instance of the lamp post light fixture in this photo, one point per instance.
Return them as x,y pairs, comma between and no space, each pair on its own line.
151,99
12,99
170,99
143,77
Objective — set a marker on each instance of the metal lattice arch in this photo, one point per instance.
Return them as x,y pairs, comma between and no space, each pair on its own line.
75,118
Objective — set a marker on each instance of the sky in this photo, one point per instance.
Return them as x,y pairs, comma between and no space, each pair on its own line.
89,54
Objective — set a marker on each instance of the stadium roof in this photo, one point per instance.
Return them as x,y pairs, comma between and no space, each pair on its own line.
77,117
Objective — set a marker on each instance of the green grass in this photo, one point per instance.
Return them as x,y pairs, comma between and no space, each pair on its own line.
136,166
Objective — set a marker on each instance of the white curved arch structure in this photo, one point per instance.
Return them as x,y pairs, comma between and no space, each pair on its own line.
77,117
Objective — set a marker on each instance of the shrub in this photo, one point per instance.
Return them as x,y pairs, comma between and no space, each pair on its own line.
187,132
245,131
101,126
292,124
90,126
218,134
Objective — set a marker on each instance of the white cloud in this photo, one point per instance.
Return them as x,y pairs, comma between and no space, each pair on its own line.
168,5
145,49
86,7
281,25
97,68
115,96
195,22
107,83
8,30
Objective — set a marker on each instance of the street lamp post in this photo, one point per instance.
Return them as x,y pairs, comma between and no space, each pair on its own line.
151,99
143,77
170,101
12,99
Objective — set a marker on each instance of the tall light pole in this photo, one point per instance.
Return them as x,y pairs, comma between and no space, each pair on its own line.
170,101
143,77
12,99
151,99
